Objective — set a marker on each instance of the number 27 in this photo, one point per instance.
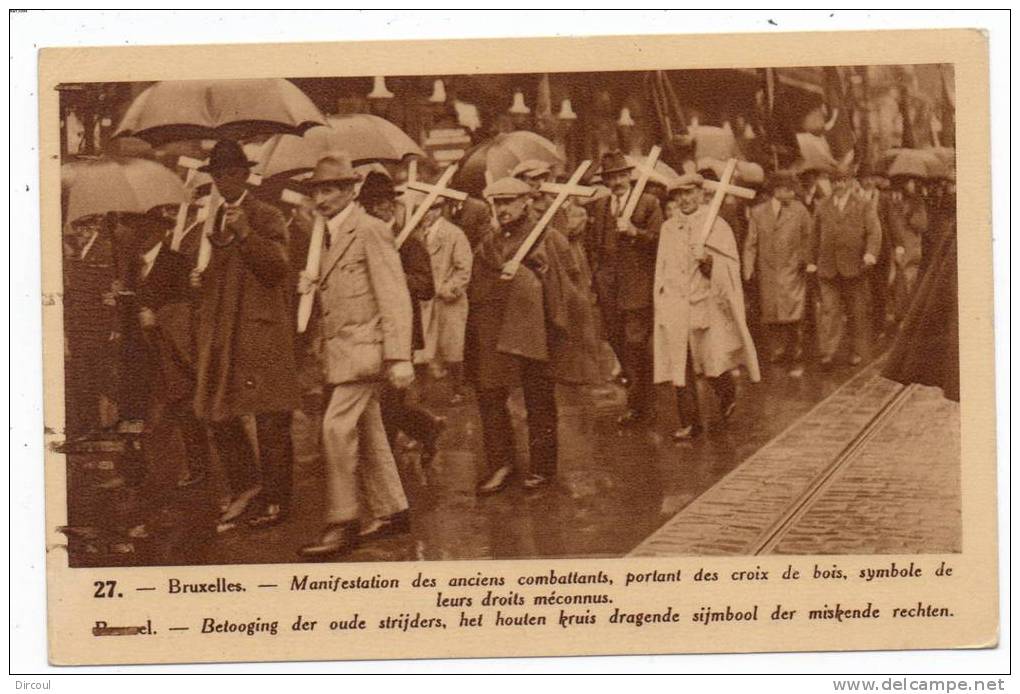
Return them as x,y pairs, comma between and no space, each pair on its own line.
105,589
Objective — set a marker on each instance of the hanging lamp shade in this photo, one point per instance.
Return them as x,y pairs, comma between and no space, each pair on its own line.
567,111
438,93
518,106
379,90
625,118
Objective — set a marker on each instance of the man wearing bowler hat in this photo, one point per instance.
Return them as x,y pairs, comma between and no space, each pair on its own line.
366,326
622,253
245,364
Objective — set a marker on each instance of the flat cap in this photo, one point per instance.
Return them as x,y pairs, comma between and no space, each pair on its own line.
687,182
506,187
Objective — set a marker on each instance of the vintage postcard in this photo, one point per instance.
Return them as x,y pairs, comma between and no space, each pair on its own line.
557,346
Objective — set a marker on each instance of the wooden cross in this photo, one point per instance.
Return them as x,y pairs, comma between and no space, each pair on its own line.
422,187
514,264
739,191
576,191
639,187
713,207
314,260
430,197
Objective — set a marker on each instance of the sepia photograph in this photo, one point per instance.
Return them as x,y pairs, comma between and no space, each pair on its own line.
528,315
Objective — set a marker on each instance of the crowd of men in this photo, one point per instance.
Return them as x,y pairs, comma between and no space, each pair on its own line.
820,259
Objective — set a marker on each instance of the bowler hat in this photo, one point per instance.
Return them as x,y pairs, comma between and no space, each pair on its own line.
612,162
226,154
377,186
334,167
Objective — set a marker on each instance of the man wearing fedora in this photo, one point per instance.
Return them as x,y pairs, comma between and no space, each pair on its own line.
366,324
379,198
622,253
245,356
845,246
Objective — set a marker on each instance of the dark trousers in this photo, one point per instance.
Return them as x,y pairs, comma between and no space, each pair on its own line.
181,415
497,429
629,333
688,407
785,340
275,452
845,296
397,415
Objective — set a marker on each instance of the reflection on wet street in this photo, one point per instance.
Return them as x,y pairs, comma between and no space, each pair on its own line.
615,487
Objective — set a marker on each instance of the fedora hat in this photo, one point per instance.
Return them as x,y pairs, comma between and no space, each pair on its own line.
612,162
226,154
335,167
377,186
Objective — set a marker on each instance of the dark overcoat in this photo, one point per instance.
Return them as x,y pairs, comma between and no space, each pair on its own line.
245,332
623,266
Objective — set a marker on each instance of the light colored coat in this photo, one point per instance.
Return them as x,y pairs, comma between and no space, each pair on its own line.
365,305
776,251
696,317
446,315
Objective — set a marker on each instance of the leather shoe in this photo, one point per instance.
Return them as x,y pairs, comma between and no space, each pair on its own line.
496,482
629,418
536,481
430,446
686,433
270,515
338,539
397,524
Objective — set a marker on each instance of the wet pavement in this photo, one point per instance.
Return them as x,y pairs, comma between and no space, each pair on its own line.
615,488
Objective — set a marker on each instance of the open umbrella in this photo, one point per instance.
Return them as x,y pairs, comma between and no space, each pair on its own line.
499,156
118,184
915,163
218,109
366,138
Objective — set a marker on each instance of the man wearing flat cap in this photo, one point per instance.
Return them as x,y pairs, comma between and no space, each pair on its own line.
519,333
244,335
622,253
776,255
366,324
700,329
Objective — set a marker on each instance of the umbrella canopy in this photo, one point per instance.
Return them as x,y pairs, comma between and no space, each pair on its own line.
366,138
746,171
499,156
111,184
218,109
916,163
713,141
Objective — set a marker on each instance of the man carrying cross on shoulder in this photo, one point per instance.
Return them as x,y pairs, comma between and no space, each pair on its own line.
622,253
518,333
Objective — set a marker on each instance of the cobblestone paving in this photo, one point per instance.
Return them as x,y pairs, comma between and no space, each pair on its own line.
731,516
901,494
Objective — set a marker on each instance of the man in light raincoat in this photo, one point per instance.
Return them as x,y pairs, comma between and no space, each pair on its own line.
700,327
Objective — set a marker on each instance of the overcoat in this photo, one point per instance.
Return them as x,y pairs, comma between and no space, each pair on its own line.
776,251
538,315
364,300
446,315
699,318
244,334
